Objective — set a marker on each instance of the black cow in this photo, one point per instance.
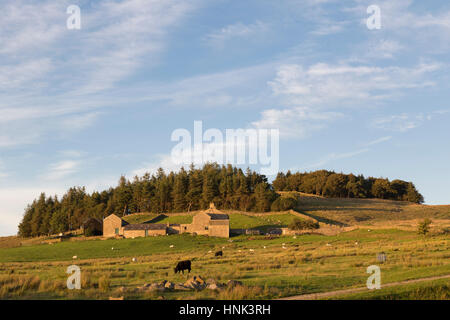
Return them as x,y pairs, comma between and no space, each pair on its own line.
183,265
219,253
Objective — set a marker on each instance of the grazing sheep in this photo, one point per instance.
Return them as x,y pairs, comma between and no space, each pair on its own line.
171,246
209,251
356,243
251,250
328,245
264,247
112,248
134,259
74,257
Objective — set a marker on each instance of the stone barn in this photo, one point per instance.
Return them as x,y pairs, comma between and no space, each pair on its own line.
92,227
210,222
144,230
113,226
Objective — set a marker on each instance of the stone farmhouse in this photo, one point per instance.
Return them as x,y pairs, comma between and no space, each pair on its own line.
211,222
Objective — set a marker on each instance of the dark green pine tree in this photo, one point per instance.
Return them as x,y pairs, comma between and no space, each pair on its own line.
194,194
210,188
180,191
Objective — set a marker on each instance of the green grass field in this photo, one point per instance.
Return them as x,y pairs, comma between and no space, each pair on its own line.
237,220
433,290
310,263
307,265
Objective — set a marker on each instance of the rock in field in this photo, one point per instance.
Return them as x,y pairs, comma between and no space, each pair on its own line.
169,285
196,283
181,287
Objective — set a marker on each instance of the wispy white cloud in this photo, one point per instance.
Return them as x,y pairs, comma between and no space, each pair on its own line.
399,123
311,94
18,138
218,38
297,122
378,141
431,28
16,75
335,156
337,84
48,71
62,169
79,121
164,161
405,122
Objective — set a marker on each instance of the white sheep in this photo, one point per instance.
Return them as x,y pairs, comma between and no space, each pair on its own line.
251,250
134,259
171,246
112,248
328,245
74,257
356,243
209,251
264,247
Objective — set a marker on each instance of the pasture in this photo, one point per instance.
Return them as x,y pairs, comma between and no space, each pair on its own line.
306,264
268,267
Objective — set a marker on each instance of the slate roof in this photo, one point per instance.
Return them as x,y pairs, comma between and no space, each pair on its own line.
218,216
145,226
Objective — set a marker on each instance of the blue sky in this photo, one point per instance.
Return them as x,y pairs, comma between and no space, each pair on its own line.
82,107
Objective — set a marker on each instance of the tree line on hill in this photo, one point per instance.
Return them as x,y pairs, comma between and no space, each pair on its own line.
338,185
187,190
193,189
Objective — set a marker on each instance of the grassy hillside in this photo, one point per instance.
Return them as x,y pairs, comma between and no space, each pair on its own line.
140,218
366,211
238,220
268,267
336,211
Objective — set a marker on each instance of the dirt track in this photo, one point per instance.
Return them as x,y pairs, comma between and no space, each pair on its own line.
320,295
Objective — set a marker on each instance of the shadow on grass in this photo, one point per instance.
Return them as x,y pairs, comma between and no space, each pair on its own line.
322,219
157,219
